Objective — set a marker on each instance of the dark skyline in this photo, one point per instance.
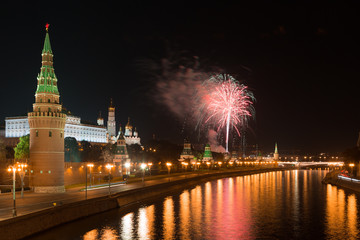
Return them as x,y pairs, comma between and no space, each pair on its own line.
300,60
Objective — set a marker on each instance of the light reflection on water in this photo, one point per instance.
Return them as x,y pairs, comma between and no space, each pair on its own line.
275,205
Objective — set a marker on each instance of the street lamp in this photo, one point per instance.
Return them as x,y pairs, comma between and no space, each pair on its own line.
20,168
351,165
109,166
127,166
220,164
143,166
208,163
185,164
13,170
149,164
90,165
168,166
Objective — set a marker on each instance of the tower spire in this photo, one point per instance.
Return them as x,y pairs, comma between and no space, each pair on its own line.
47,81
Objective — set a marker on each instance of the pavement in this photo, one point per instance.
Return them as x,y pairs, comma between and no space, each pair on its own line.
32,202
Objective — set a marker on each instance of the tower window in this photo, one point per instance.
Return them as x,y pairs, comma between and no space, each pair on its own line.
49,100
37,133
50,134
41,100
49,109
61,134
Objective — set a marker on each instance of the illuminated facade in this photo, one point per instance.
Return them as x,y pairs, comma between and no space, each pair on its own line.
186,154
19,126
131,137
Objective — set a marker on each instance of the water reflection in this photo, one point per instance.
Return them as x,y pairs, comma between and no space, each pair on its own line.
278,205
168,218
341,214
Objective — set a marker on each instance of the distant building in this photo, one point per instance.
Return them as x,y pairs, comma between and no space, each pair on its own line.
16,127
186,154
111,123
207,154
131,137
276,154
121,155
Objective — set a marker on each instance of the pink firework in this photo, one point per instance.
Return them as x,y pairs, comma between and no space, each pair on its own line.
227,103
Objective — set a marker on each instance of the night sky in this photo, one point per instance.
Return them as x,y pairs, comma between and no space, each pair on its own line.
300,60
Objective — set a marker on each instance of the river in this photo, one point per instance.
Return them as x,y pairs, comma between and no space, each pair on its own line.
291,204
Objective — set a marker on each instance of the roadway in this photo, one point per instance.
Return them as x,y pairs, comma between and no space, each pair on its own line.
32,202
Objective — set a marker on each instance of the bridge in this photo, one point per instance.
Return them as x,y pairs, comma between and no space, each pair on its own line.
311,164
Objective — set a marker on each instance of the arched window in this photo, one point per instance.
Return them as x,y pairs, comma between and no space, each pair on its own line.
37,133
50,134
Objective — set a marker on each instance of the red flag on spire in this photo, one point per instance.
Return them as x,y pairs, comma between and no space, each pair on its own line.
47,26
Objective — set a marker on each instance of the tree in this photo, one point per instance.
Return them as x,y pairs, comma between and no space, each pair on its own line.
22,148
108,152
71,150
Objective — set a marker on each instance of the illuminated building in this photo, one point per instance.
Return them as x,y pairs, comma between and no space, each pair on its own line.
47,124
186,154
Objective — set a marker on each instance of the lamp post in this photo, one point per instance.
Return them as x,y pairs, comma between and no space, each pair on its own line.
168,166
352,166
13,170
185,164
90,165
20,169
208,163
143,166
220,164
127,166
109,166
149,164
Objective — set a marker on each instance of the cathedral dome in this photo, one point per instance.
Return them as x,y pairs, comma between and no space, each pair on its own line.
128,125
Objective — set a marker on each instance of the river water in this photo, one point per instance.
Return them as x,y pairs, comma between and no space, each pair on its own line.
292,204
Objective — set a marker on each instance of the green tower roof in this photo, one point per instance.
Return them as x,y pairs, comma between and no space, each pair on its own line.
207,153
47,46
47,81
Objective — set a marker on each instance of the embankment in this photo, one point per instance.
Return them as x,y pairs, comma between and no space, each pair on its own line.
26,225
332,178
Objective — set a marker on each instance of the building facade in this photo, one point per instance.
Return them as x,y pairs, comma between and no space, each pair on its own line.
16,127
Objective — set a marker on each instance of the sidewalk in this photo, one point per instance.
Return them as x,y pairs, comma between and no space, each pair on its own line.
32,202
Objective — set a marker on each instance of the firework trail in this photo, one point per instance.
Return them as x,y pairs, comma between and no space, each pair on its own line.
224,103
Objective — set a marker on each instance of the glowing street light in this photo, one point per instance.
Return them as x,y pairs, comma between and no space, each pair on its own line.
220,164
20,168
168,166
150,164
109,166
13,169
127,166
143,166
90,165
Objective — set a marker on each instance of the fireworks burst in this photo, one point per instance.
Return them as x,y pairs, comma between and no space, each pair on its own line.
226,104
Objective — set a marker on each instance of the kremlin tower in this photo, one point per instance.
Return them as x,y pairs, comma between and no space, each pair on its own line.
47,123
276,154
111,120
